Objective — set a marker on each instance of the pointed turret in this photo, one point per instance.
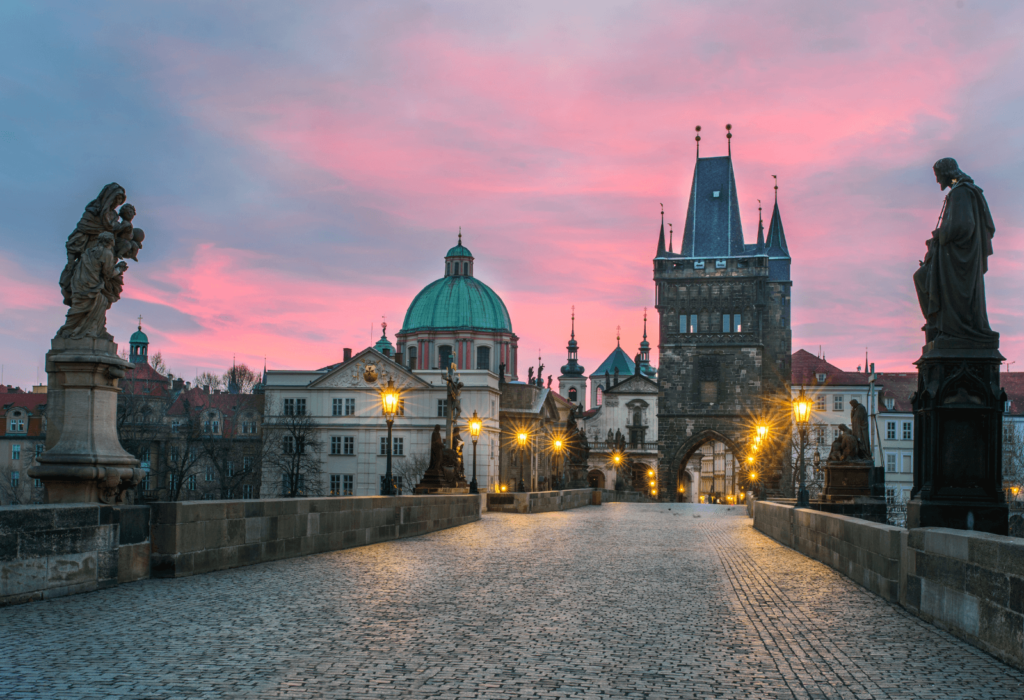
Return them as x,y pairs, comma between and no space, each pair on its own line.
643,366
778,251
760,231
572,384
661,236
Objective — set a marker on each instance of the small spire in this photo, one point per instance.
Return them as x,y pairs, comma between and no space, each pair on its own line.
645,323
573,336
661,234
697,139
776,188
140,322
728,137
670,238
760,229
460,235
618,336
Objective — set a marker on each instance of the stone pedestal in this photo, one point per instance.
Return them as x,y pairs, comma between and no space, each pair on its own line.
84,461
958,441
847,480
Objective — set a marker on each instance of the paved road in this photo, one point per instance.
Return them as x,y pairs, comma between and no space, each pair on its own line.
622,600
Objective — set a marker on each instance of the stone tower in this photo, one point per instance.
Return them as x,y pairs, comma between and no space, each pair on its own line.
724,329
572,383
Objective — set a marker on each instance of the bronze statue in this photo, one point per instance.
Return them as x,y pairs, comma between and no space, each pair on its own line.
859,421
950,281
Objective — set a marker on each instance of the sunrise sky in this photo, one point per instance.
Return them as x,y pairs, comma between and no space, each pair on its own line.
301,168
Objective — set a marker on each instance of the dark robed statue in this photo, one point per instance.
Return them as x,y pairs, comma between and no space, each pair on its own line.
951,280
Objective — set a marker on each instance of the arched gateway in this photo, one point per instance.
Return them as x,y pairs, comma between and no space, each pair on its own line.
706,468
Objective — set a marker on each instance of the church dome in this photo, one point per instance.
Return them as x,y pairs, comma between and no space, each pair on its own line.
139,337
457,302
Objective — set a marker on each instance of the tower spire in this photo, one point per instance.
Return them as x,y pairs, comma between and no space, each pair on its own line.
776,188
728,137
697,139
670,238
572,335
645,323
618,336
661,235
460,235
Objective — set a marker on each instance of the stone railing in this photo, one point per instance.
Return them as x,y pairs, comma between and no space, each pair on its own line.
542,501
200,536
48,551
969,583
613,496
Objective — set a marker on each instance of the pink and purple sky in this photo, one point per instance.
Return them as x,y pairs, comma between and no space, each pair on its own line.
300,170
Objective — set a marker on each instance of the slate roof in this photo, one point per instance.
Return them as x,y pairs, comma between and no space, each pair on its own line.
713,227
899,386
778,251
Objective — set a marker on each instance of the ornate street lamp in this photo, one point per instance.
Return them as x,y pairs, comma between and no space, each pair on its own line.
558,446
390,402
521,439
802,416
475,425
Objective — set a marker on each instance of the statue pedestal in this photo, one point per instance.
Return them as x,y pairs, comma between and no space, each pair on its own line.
845,481
958,441
84,461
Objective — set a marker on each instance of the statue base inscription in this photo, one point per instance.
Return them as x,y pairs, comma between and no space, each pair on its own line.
84,461
958,411
847,480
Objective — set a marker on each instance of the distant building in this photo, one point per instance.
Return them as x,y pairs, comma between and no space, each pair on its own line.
22,440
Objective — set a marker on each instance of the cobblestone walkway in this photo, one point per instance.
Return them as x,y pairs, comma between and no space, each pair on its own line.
624,600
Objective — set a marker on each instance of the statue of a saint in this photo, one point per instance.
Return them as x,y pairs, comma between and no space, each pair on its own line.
859,421
844,447
436,448
95,284
951,279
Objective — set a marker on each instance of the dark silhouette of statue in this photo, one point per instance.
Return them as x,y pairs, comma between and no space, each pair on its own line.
844,447
951,279
859,423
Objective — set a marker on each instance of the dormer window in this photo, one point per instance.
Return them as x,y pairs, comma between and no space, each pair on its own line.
17,424
890,403
821,377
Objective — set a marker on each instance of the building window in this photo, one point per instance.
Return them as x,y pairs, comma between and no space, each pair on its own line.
837,402
572,393
209,472
908,430
822,435
737,323
819,402
444,356
347,484
599,396
230,467
726,323
39,451
190,482
709,392
442,408
18,425
349,444
15,451
246,464
483,358
383,445
247,491
890,463
289,444
175,425
890,430
145,481
350,407
890,403
335,484
14,479
335,445
336,407
289,407
38,483
300,407
172,481
399,447
411,354
908,464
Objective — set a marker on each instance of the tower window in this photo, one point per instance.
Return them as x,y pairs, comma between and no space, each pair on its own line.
737,323
572,393
412,356
465,268
599,397
444,356
483,358
448,268
726,323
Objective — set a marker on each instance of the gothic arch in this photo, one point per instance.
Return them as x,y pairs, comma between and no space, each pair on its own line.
686,450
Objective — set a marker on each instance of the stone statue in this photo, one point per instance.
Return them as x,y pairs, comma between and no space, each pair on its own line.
859,421
529,375
93,278
950,281
844,447
436,448
540,375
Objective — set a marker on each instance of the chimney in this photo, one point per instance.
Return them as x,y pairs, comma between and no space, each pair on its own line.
206,388
398,358
348,354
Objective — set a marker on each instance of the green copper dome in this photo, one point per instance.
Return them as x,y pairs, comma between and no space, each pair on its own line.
139,337
459,251
457,302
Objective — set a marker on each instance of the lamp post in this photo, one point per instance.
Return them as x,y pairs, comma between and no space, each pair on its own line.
558,445
475,425
802,416
389,404
521,439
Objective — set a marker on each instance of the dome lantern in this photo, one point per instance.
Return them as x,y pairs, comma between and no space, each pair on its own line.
458,261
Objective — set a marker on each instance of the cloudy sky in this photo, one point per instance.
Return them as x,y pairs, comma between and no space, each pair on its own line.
300,169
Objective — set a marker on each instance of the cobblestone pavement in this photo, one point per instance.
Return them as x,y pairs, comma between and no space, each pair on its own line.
621,600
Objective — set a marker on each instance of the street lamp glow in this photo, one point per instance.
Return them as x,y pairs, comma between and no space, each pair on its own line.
475,425
762,432
753,476
389,399
802,408
750,459
617,458
650,472
522,437
558,444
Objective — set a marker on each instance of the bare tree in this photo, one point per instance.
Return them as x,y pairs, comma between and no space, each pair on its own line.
185,448
233,455
410,469
156,361
292,454
139,416
209,379
241,376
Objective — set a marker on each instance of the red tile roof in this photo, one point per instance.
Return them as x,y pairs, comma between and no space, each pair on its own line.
899,386
807,367
145,380
30,402
1013,385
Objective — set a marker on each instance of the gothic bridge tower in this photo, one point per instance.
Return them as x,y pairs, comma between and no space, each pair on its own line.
724,336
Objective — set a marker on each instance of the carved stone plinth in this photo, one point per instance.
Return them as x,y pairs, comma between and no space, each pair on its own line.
847,480
958,415
84,461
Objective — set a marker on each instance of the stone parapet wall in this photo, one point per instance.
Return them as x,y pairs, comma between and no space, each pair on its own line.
968,583
48,551
202,536
612,496
542,501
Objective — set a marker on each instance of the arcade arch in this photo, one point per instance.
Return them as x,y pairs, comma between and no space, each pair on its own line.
708,470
